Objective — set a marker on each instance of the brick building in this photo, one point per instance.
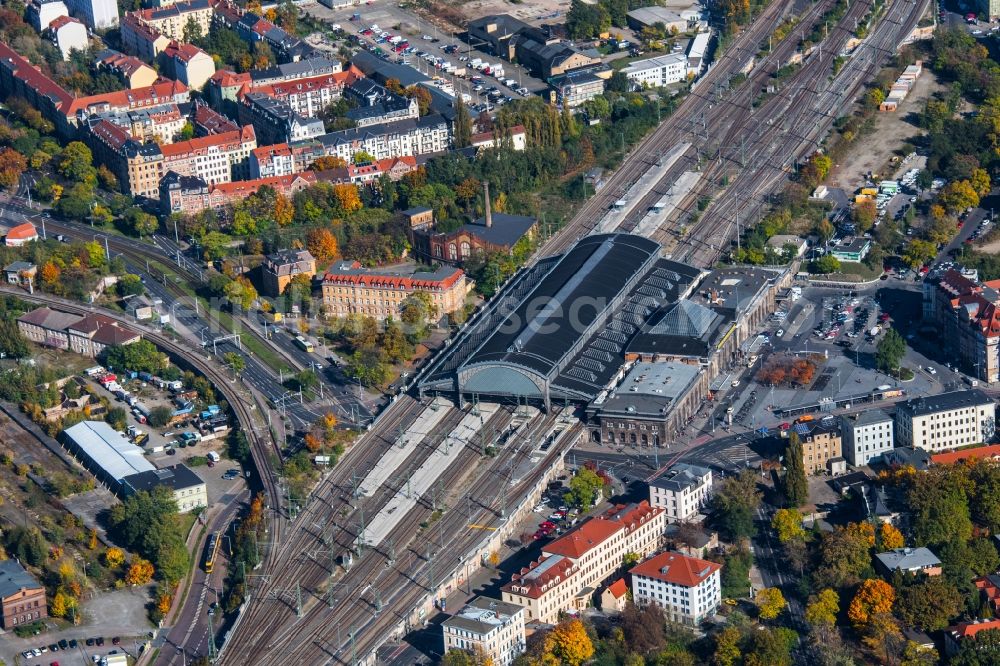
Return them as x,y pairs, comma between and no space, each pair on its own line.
379,293
21,596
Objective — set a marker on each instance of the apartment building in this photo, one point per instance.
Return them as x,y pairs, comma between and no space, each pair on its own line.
488,627
687,588
69,34
657,72
173,19
281,268
97,14
681,491
188,64
306,96
378,105
133,72
866,435
141,40
946,421
190,194
573,566
161,124
821,443
40,13
350,289
968,315
216,158
275,122
573,89
88,335
425,135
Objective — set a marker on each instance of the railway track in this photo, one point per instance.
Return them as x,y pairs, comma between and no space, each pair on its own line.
260,445
392,581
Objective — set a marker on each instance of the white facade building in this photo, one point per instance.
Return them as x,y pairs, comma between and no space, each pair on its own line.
681,491
659,71
688,589
97,14
942,422
41,13
487,626
866,435
69,35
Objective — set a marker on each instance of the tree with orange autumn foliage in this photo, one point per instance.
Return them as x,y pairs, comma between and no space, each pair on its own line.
786,370
140,572
50,273
312,442
889,537
322,245
12,165
569,643
328,162
163,603
865,531
284,210
874,597
347,197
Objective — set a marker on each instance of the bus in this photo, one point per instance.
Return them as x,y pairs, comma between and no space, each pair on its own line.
212,551
303,344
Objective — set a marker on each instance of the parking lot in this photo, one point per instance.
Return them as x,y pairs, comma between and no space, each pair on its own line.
119,615
432,52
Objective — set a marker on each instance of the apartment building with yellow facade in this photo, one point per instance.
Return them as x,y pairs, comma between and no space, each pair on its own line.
572,567
380,293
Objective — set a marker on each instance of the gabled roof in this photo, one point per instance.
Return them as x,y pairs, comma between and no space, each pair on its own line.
618,589
970,629
13,579
25,231
676,568
977,453
908,559
62,21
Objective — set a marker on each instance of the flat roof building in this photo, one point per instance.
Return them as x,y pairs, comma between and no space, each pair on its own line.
105,452
489,626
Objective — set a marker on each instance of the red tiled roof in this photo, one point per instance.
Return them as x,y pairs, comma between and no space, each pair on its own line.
33,77
388,163
618,589
533,580
676,568
300,86
978,453
212,121
135,24
390,281
202,143
264,153
486,137
588,535
969,629
110,134
183,51
226,78
244,188
158,93
125,64
61,21
24,231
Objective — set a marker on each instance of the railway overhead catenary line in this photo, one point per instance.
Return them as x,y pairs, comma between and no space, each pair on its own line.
671,131
811,103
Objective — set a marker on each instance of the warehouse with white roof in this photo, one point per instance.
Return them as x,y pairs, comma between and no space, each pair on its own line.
105,452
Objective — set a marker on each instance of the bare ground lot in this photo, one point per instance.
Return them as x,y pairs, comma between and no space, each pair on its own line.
873,151
529,12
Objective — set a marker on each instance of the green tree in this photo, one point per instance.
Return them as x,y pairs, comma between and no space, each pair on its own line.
919,252
12,341
795,485
735,502
825,264
235,362
844,556
160,416
129,285
890,351
141,223
148,523
929,604
585,488
727,647
984,650
141,356
939,506
76,161
822,609
463,124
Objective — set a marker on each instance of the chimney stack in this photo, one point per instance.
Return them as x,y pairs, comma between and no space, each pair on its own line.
489,213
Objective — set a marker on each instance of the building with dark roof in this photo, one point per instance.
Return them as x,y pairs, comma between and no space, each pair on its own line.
682,491
493,232
188,489
274,121
21,596
377,104
649,406
559,330
280,268
381,70
88,335
946,421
